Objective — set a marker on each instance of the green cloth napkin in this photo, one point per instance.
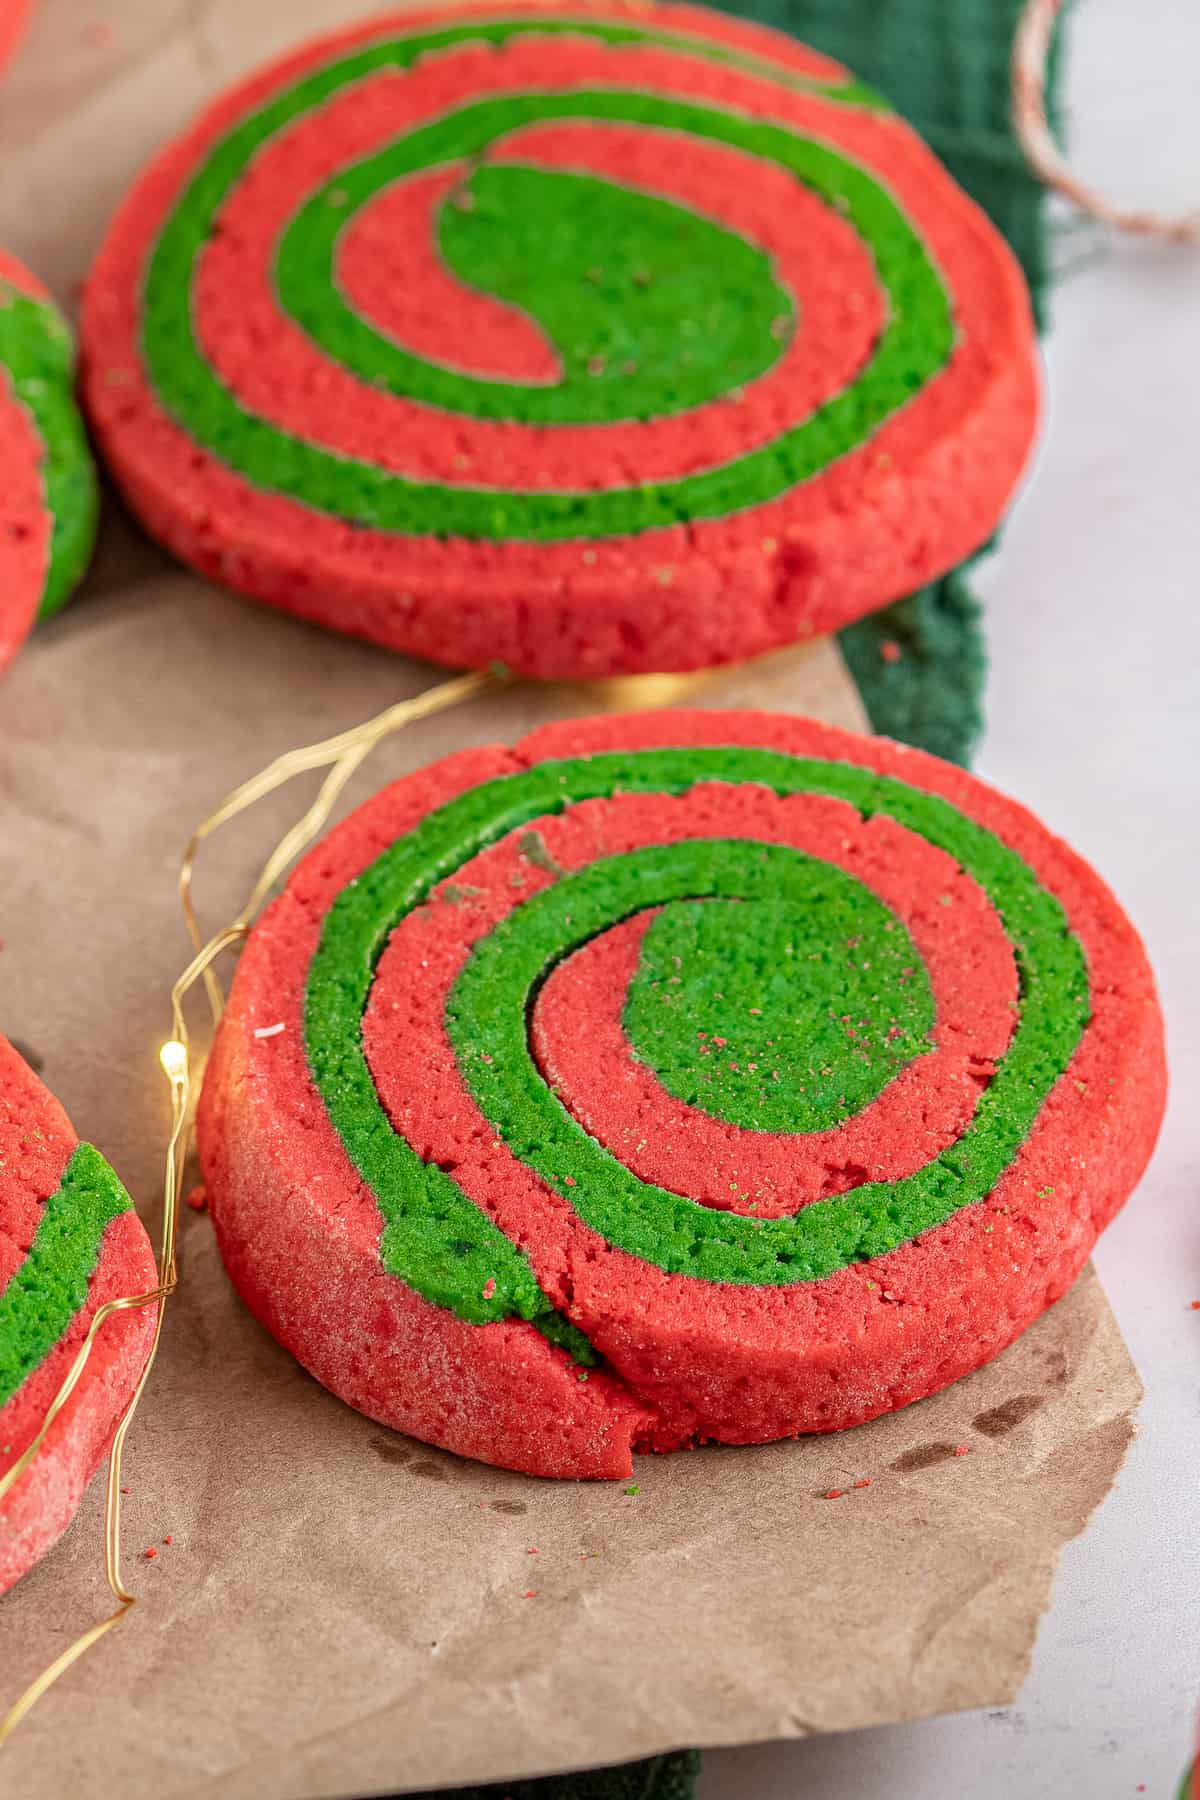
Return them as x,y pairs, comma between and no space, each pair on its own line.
659,1778
944,64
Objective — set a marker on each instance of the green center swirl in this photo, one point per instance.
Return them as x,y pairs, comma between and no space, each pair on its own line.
612,277
913,347
439,1241
780,1015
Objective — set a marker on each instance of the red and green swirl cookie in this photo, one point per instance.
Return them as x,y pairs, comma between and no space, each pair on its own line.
694,1076
69,1241
599,339
48,495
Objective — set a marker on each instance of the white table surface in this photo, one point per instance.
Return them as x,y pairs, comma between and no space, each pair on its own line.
1094,720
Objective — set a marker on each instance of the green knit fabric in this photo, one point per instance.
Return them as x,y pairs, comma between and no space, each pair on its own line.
944,64
931,693
660,1778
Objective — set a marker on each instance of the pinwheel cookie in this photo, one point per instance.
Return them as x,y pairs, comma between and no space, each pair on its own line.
48,497
69,1242
694,1076
586,340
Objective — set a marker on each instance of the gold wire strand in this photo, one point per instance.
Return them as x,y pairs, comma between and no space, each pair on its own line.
341,755
49,1675
346,750
71,1379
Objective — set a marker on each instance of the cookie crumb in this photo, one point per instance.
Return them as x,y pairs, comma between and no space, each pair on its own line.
532,846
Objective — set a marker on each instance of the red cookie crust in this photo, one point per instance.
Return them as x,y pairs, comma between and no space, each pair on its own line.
36,1144
923,492
684,1360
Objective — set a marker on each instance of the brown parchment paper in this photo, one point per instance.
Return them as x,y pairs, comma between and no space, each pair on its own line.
341,1610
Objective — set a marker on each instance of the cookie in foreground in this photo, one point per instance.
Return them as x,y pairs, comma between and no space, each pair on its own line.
669,1078
69,1241
588,341
48,494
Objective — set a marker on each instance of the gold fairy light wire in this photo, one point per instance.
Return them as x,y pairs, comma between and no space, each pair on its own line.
157,1297
341,755
1031,52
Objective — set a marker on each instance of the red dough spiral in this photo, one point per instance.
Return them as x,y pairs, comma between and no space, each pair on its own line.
694,1076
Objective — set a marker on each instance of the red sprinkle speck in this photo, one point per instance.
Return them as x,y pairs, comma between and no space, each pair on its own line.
962,1450
832,1494
168,1539
865,1482
532,1550
150,1554
1196,1305
530,1594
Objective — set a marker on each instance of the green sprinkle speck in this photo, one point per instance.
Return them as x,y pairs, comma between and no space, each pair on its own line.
532,846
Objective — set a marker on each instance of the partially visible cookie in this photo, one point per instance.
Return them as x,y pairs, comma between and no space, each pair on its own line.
69,1241
48,492
588,340
13,14
681,1077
